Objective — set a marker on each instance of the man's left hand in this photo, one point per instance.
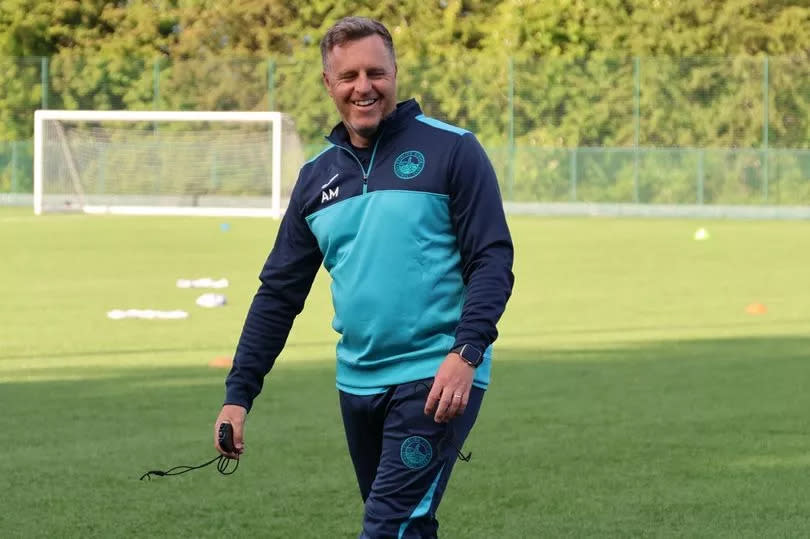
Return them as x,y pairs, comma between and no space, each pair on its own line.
451,389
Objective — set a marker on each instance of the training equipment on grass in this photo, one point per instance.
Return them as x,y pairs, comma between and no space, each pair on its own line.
146,314
164,162
211,300
701,234
756,308
221,362
203,282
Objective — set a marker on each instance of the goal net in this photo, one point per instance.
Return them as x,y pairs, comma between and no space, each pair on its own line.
164,162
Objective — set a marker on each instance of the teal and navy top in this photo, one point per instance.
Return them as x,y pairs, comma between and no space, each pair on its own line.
415,240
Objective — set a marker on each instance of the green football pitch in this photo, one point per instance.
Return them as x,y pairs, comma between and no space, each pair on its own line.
632,394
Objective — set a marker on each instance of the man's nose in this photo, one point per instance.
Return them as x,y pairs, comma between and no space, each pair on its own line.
362,83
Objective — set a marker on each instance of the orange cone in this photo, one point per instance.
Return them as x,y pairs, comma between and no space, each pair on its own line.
756,308
221,362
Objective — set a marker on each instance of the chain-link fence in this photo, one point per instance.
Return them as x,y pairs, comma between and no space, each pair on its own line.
599,129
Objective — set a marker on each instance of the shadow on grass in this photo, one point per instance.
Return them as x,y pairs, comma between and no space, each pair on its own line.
669,357
631,331
729,348
135,351
699,438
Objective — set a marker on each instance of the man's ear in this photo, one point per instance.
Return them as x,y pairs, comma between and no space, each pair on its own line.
326,84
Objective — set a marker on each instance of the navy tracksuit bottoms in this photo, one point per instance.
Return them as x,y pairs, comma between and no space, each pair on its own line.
402,457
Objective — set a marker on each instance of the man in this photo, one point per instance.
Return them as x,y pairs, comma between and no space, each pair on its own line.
404,212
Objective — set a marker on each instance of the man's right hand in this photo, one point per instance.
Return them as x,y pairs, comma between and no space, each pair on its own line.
235,415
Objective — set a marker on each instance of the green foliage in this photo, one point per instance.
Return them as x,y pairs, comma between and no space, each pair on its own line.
20,80
16,163
573,73
524,76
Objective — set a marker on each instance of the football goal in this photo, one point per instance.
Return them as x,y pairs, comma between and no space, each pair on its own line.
164,162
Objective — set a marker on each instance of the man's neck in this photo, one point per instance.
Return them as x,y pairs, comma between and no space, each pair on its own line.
359,141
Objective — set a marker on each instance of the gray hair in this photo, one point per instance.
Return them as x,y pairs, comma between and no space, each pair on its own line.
353,28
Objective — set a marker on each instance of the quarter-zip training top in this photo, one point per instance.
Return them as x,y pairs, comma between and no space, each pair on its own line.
416,244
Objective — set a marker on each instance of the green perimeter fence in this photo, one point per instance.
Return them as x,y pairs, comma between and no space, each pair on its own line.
732,130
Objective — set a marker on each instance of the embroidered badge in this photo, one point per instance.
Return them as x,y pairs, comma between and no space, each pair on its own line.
416,452
409,164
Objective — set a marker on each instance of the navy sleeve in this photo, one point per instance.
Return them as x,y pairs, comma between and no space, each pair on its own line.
286,279
484,242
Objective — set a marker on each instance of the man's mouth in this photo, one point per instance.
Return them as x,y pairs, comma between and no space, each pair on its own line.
364,102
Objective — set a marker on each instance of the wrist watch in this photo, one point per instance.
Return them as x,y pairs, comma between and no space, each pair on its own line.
470,354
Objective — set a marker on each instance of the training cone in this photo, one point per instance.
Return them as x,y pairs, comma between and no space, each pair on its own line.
221,362
701,234
756,308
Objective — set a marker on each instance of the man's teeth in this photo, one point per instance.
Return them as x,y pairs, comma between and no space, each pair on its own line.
365,102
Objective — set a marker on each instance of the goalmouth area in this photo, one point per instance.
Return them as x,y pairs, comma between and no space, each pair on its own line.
163,162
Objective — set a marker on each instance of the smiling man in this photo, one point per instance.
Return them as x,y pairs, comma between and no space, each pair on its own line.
405,214
361,78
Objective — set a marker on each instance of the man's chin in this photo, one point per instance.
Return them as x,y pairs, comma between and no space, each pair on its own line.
366,131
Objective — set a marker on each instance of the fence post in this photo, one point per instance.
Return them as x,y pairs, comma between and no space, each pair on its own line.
214,171
271,84
511,178
43,75
156,84
765,121
700,176
14,185
573,173
101,188
636,123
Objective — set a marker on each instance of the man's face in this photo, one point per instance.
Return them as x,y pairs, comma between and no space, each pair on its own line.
361,79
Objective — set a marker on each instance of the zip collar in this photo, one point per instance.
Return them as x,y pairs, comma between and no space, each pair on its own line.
366,172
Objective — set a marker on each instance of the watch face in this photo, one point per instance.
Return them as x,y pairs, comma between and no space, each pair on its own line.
470,354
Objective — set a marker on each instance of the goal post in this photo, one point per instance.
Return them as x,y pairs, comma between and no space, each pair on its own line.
210,163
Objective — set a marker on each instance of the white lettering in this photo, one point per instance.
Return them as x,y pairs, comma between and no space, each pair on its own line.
333,193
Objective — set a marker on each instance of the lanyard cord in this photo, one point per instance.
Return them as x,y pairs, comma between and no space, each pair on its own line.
222,467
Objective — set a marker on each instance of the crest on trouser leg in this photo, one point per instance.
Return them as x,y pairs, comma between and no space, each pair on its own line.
416,452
